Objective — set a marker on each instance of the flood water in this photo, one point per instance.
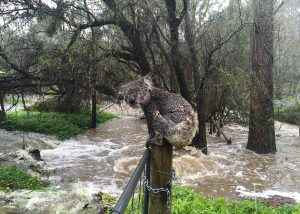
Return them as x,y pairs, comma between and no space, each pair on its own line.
103,160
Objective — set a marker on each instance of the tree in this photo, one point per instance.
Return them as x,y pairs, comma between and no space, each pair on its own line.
261,137
286,49
205,56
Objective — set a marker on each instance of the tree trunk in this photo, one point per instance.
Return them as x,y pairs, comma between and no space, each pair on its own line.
2,109
199,140
92,71
175,53
94,109
261,137
133,35
93,82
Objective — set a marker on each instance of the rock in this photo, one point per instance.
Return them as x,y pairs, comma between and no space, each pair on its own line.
96,198
36,154
36,168
26,157
277,201
85,205
3,157
103,210
32,160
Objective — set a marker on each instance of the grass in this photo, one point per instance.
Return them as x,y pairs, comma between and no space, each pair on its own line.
61,125
13,178
186,201
289,98
289,114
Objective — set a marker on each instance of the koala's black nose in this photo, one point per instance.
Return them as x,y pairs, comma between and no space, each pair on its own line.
131,99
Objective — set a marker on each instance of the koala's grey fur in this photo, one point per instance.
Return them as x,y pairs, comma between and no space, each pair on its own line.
168,115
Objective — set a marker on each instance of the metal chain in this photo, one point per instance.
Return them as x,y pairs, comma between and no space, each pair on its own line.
158,190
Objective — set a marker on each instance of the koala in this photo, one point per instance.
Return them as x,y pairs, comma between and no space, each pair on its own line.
168,115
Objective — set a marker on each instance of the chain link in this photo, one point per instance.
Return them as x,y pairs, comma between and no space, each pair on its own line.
165,189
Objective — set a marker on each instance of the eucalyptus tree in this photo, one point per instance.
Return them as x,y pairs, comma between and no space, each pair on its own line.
261,138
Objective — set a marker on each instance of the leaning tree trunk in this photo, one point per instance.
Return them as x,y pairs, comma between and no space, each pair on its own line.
261,137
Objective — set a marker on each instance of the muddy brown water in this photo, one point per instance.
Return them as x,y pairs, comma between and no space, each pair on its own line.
104,159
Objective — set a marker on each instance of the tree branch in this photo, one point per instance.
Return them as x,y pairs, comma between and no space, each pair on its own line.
278,8
12,64
183,12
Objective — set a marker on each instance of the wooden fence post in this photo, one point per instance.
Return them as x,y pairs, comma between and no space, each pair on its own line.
160,176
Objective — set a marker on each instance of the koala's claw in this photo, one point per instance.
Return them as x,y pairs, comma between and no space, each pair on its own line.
157,140
156,115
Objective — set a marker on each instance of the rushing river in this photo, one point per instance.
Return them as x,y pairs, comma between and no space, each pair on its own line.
103,160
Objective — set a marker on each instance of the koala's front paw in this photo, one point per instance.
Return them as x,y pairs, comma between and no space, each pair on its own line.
156,140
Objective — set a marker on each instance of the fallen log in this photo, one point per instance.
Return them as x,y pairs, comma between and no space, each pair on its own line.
228,139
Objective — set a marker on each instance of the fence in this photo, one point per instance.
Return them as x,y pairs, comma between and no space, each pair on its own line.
154,174
128,192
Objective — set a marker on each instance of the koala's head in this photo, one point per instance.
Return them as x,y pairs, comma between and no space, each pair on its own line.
137,93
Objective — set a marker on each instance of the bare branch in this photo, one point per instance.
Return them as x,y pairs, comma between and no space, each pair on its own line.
12,64
278,8
183,12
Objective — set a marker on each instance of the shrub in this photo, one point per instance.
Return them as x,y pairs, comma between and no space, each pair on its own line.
289,114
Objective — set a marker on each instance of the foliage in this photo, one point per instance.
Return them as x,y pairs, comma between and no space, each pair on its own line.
186,201
290,114
108,199
61,125
234,96
12,178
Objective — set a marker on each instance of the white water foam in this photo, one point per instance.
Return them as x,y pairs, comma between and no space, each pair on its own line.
267,194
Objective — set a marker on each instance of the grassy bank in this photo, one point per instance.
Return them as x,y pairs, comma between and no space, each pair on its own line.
189,202
63,126
186,201
289,114
13,178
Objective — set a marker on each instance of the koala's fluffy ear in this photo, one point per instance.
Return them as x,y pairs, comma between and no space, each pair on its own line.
148,81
